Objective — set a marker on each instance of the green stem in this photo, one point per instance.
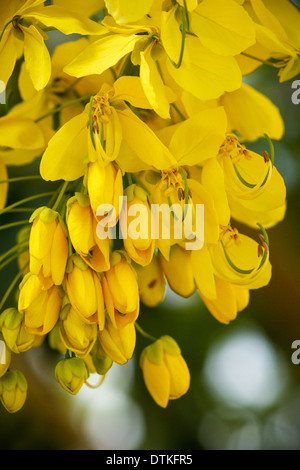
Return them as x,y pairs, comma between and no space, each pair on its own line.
61,193
272,151
143,333
12,258
183,33
91,122
23,201
21,178
22,209
13,249
186,15
60,108
12,285
3,30
266,62
182,117
14,224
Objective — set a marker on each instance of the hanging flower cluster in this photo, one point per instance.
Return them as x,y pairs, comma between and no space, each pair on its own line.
148,109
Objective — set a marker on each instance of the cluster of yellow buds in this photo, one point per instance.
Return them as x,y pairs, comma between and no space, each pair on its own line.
144,122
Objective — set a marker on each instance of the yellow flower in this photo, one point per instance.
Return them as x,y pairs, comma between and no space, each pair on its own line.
240,260
17,338
165,372
118,343
106,131
255,189
152,283
201,71
84,290
230,299
81,224
77,335
121,292
48,245
40,304
71,373
135,223
21,139
13,390
22,33
61,89
277,37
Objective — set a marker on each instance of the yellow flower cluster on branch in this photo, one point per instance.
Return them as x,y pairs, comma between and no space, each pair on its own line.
144,122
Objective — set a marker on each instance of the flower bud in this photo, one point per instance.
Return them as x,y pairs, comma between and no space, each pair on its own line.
76,334
151,283
13,390
17,338
55,341
71,373
136,229
40,305
118,343
100,362
121,293
48,246
85,291
82,231
105,186
5,356
178,271
165,372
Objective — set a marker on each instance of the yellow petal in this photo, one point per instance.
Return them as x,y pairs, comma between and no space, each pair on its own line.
205,74
128,11
268,208
223,27
20,133
37,57
199,137
101,55
153,85
66,21
204,272
179,375
157,381
178,271
170,33
252,114
130,89
144,143
224,307
66,151
59,255
212,178
86,8
8,54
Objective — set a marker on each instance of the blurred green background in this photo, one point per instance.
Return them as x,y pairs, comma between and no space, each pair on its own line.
245,390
